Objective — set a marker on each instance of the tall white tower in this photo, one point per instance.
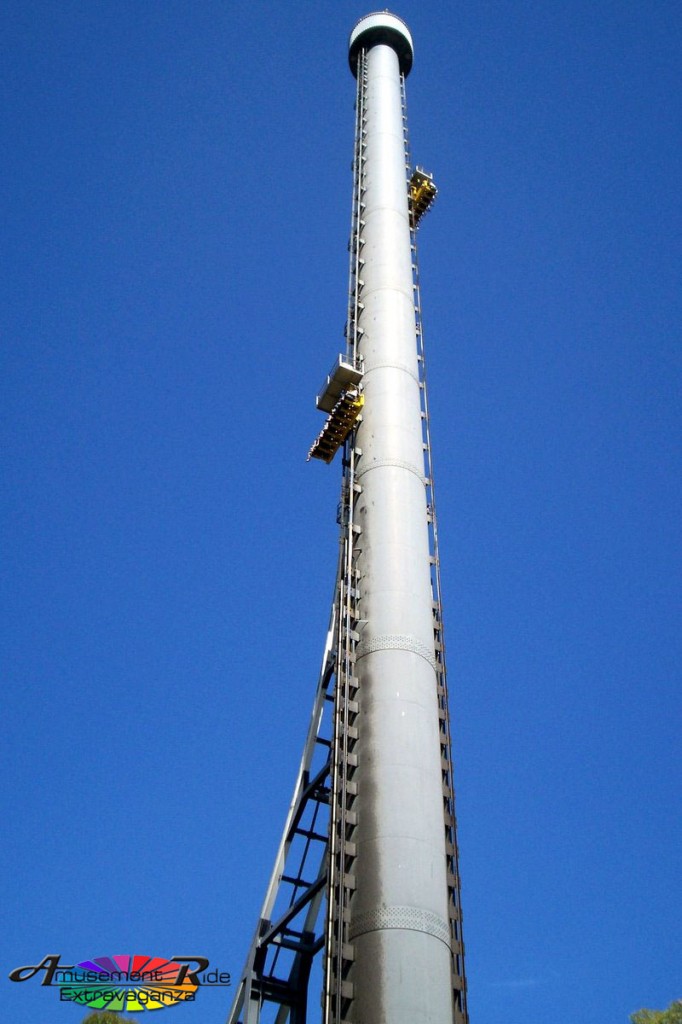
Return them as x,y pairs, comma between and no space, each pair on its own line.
371,830
399,913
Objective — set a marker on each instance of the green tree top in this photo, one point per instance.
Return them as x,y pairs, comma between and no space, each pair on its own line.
106,1017
673,1015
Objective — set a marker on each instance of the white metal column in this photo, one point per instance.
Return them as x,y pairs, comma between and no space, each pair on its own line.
399,914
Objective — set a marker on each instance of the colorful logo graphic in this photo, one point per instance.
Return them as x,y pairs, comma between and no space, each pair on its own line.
125,983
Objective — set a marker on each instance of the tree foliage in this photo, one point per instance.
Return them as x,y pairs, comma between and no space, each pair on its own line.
673,1015
106,1017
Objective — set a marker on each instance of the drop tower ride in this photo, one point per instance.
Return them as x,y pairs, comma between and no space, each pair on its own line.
367,873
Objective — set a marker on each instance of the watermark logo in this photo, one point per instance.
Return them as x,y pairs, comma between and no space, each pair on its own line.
125,983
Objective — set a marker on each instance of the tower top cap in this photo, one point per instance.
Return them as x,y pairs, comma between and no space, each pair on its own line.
381,27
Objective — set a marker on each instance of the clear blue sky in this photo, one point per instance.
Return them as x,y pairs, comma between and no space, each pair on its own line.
176,209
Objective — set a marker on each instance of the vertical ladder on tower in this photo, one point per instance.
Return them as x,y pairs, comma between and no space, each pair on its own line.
460,1014
339,953
316,853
